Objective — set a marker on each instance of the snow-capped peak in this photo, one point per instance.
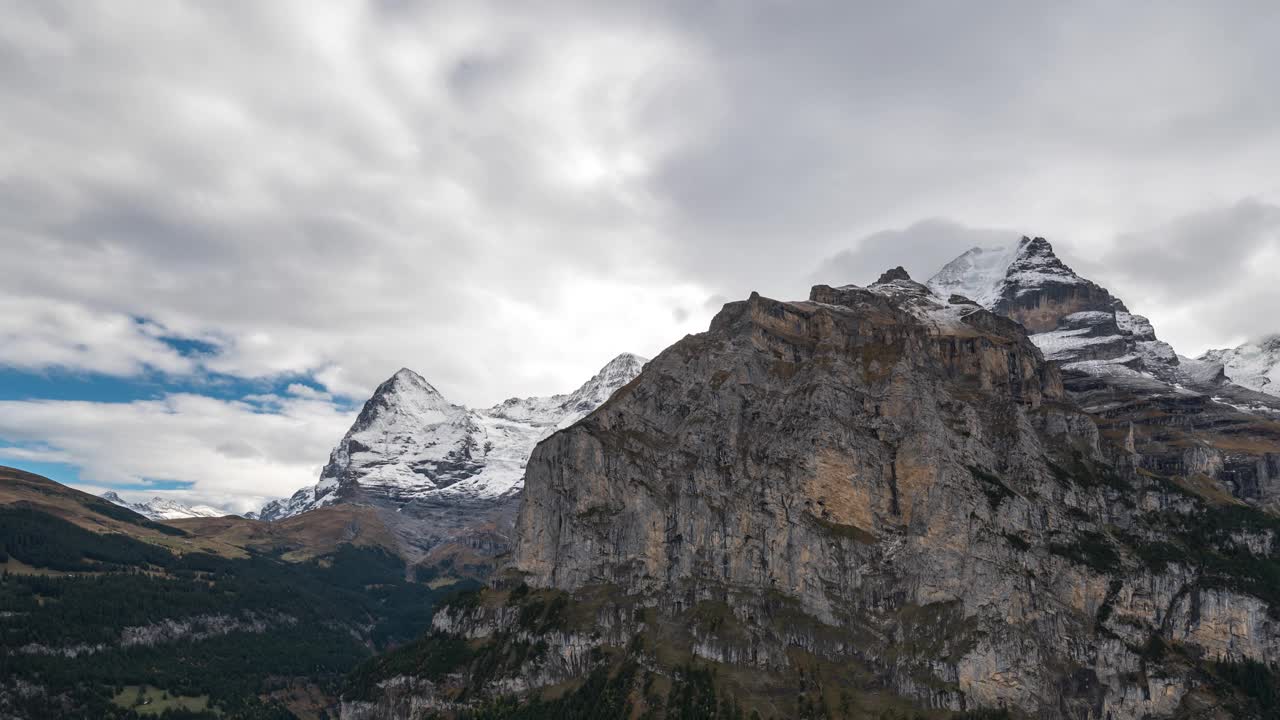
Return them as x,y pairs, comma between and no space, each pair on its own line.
592,394
409,393
979,274
409,444
1070,319
158,508
995,275
1255,364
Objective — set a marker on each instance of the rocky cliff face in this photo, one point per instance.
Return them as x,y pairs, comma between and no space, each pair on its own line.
875,495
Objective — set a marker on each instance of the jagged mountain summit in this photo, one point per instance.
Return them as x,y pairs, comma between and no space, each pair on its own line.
158,508
1175,414
1072,320
410,445
1255,365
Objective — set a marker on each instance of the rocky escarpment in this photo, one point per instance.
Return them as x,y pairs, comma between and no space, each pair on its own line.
878,492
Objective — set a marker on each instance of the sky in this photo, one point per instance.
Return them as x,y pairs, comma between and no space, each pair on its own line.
223,223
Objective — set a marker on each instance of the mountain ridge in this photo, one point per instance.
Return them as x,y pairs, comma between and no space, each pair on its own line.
1254,364
159,508
409,444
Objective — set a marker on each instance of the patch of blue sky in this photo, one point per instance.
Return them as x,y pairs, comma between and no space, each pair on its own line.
60,384
69,384
65,473
148,484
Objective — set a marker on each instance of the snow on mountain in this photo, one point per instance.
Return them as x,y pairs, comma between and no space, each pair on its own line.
410,445
1071,319
921,301
1255,365
158,508
978,274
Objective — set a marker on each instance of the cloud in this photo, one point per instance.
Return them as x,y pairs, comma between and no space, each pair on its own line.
345,190
1026,115
234,455
922,248
1208,278
339,191
503,196
42,333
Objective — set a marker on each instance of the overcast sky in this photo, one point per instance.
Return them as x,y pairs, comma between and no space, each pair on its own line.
224,223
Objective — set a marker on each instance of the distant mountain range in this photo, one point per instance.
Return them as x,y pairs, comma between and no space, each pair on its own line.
158,508
411,445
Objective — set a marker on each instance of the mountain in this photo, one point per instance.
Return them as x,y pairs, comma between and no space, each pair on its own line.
20,489
158,508
1255,365
876,502
1179,416
445,479
1071,319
